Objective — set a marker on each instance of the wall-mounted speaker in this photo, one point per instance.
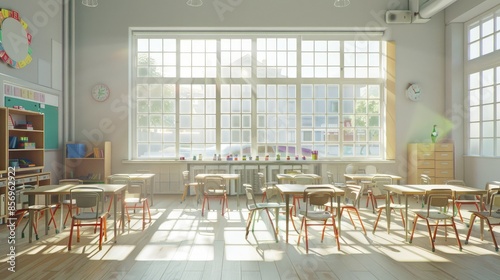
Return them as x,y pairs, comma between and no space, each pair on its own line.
398,16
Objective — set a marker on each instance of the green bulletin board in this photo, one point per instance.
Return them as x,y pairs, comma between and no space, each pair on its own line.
51,118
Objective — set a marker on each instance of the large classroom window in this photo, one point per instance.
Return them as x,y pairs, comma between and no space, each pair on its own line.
252,94
483,84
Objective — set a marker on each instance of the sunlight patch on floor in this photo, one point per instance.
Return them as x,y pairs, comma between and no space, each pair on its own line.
113,252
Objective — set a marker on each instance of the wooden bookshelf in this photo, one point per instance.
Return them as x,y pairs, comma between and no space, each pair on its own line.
31,159
95,167
4,159
28,150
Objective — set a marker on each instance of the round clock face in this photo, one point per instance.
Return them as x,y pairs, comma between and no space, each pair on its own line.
413,92
100,92
15,40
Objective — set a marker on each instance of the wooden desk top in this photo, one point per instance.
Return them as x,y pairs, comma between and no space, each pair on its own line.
202,176
369,177
420,189
135,176
299,189
65,189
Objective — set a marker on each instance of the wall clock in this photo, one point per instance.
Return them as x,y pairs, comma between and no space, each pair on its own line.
100,92
413,92
15,40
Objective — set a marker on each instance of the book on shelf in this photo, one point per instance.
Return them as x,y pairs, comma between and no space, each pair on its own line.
11,122
98,153
24,125
93,176
95,153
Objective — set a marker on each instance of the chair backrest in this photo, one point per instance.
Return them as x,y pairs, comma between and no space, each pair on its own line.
329,177
370,169
262,181
378,184
425,179
304,179
214,182
437,198
455,182
351,169
119,179
273,194
492,188
251,203
352,194
70,182
495,202
133,190
318,197
88,197
185,176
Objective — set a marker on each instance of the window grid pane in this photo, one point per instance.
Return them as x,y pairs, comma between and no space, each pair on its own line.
483,107
230,115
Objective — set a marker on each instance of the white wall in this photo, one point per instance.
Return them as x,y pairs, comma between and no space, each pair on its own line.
44,19
102,49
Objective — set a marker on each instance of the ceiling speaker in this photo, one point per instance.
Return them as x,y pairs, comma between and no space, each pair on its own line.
398,16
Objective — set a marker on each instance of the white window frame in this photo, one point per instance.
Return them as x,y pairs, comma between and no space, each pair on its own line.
482,88
240,72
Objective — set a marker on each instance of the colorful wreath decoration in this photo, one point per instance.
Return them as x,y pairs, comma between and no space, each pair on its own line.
4,14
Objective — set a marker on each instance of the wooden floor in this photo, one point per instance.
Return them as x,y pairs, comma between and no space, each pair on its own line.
180,244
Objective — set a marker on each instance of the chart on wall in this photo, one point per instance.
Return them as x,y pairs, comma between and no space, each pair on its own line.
37,101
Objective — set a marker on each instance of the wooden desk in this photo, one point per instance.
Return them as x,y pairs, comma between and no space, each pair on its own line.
288,178
144,178
296,189
368,177
60,190
227,176
410,190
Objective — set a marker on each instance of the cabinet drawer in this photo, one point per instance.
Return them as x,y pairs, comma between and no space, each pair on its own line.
444,164
425,147
428,172
443,155
448,173
425,164
443,147
425,155
44,177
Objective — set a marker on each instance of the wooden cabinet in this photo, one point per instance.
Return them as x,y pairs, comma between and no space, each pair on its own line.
26,140
4,159
93,168
433,159
22,147
3,199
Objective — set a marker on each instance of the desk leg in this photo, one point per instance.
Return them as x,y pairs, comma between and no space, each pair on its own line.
115,197
339,217
47,213
238,189
388,211
30,225
122,218
61,226
151,186
406,217
287,214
